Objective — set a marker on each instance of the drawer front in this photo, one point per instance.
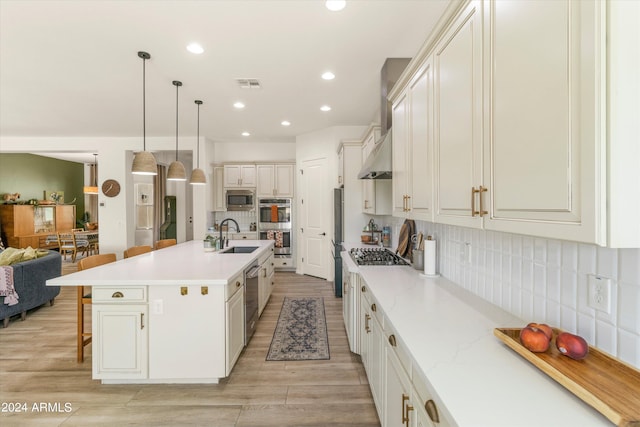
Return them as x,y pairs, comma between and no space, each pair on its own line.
233,286
283,262
397,345
118,294
372,304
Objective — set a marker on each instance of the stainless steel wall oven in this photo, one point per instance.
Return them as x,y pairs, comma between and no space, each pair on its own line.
274,223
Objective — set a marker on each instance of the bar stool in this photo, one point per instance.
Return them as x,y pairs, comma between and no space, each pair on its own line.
165,243
84,338
137,250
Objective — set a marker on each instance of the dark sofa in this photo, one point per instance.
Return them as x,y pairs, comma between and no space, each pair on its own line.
29,279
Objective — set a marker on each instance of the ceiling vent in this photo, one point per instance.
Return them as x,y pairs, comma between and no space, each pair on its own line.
249,83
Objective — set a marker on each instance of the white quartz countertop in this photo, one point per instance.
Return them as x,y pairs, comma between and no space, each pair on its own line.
449,334
186,264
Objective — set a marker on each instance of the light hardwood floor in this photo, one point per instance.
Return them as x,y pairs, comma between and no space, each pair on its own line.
38,366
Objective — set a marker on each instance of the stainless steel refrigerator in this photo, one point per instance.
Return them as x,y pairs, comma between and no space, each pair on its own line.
338,222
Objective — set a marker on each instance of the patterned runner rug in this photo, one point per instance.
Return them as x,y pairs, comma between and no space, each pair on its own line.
301,332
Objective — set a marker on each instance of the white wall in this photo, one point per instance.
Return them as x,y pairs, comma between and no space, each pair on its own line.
544,280
255,151
316,145
115,155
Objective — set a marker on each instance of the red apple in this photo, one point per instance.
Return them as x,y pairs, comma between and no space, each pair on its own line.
534,339
572,346
545,328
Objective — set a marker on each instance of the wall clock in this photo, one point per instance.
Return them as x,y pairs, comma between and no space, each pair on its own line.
111,188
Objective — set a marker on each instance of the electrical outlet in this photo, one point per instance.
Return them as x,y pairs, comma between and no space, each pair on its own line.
158,306
599,293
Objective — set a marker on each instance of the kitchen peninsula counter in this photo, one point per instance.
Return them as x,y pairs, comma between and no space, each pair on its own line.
174,315
186,263
447,334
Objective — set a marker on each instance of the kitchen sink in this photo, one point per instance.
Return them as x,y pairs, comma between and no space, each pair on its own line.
239,250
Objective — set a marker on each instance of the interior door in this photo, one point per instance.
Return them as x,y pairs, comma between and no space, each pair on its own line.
316,206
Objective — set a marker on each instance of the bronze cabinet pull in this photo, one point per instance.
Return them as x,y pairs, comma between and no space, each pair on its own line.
405,414
238,284
392,340
363,289
117,294
373,307
141,320
481,190
204,290
184,290
366,323
432,410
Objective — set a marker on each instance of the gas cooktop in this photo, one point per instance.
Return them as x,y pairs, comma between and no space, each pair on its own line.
375,256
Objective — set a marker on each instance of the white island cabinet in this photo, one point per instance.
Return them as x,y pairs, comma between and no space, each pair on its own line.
169,316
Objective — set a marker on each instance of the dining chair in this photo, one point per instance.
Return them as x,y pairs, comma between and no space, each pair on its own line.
137,250
84,338
165,243
68,244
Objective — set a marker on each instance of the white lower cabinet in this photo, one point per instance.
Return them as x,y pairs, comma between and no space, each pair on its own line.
185,332
234,331
372,346
120,352
265,282
398,408
401,392
351,307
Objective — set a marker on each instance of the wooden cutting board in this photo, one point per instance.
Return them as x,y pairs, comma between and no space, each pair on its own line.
607,384
404,238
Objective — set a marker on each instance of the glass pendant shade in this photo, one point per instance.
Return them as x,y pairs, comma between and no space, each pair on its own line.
176,172
144,163
198,177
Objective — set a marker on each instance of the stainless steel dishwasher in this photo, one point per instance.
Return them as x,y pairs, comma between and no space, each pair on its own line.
251,274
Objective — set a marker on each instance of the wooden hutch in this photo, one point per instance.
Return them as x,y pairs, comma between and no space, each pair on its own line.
30,225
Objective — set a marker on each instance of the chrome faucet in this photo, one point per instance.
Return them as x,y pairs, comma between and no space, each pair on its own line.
221,224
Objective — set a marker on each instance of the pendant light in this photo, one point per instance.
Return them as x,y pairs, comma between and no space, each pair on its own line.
144,163
93,188
197,175
176,169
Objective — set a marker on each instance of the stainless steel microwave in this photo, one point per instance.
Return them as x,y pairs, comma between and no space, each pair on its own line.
240,200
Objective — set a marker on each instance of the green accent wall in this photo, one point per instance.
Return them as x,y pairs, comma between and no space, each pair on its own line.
30,175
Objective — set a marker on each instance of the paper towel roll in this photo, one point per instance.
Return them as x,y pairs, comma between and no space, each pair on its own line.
430,257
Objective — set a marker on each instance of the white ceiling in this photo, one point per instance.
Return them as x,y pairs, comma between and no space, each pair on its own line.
70,68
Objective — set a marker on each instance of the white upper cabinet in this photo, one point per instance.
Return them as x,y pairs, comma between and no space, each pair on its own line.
542,121
219,203
400,139
534,131
376,193
413,148
239,176
420,153
457,62
275,180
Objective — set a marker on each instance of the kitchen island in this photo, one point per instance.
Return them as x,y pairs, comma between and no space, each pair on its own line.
174,315
428,349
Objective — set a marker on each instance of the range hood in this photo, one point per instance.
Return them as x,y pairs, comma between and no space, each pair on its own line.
378,164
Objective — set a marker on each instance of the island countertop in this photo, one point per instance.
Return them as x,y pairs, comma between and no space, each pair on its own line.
186,263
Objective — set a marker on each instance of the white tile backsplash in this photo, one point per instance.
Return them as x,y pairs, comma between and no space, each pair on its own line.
545,280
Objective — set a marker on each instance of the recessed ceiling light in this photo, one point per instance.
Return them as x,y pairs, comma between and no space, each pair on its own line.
335,5
239,105
246,134
325,108
285,123
328,75
195,48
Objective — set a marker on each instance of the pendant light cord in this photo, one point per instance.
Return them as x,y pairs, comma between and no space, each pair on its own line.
144,103
198,133
177,87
